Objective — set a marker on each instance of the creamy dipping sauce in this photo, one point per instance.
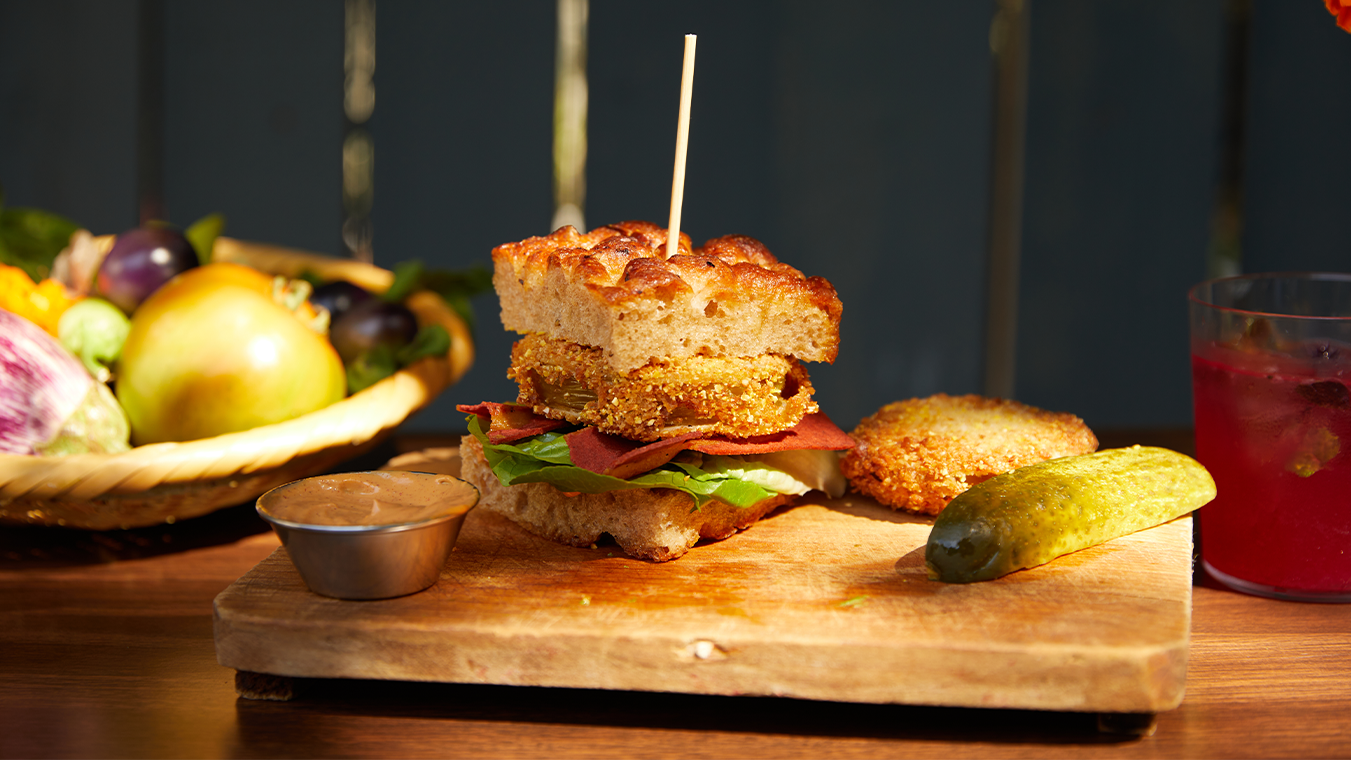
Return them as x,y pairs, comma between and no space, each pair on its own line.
369,498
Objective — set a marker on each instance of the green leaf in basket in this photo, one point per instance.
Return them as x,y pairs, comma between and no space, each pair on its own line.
370,368
31,238
382,361
431,340
407,278
203,233
456,288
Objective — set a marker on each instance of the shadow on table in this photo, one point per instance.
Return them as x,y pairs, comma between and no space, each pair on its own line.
23,548
326,716
37,547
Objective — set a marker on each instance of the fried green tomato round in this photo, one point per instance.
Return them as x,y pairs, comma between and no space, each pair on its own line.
919,454
737,397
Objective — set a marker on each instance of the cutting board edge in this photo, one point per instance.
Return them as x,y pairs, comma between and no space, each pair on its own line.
1141,679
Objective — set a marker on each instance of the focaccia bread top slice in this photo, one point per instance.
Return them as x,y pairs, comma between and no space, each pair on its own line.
614,288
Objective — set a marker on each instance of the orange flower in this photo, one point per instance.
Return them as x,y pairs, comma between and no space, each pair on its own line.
1342,10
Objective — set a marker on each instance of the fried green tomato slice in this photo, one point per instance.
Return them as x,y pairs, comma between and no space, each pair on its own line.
738,397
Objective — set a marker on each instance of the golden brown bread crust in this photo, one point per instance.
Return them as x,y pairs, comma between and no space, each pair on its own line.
732,396
921,453
614,288
657,524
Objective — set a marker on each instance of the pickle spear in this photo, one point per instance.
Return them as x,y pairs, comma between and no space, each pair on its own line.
1034,514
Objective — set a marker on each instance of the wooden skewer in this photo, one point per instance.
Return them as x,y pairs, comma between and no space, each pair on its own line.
682,146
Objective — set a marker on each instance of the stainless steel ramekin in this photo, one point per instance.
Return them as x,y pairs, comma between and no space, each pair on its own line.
375,561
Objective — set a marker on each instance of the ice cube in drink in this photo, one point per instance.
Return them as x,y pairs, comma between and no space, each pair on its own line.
1273,426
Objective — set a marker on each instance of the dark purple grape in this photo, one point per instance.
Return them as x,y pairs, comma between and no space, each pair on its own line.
141,260
371,324
339,297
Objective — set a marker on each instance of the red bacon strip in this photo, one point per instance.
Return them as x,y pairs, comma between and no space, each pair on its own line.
613,455
815,431
608,454
511,422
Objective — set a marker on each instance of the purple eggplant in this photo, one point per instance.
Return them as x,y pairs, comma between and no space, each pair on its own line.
140,261
49,403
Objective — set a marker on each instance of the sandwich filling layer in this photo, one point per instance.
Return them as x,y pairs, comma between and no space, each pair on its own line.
571,465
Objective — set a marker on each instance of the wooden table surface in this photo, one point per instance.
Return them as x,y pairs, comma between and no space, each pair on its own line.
106,650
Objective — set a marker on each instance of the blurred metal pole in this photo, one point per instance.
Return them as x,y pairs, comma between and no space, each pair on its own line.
150,111
570,105
358,146
1225,255
1008,44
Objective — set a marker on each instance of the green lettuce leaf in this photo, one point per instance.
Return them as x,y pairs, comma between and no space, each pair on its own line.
545,459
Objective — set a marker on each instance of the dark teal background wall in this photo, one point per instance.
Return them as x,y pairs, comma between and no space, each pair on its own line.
67,108
1124,109
1298,202
853,138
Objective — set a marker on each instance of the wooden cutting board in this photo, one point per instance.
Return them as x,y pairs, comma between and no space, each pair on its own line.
824,600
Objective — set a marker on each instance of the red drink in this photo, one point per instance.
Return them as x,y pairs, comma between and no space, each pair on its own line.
1274,429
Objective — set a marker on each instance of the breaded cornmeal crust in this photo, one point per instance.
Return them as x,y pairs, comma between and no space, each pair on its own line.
920,454
614,288
733,396
657,524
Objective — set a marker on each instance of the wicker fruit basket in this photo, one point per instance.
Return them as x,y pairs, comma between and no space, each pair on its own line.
166,482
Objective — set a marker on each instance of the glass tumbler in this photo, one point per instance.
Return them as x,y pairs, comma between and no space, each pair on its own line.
1271,391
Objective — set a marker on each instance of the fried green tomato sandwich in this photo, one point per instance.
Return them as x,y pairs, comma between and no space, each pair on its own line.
661,400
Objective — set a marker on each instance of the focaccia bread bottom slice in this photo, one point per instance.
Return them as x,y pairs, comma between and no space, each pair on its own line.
656,524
